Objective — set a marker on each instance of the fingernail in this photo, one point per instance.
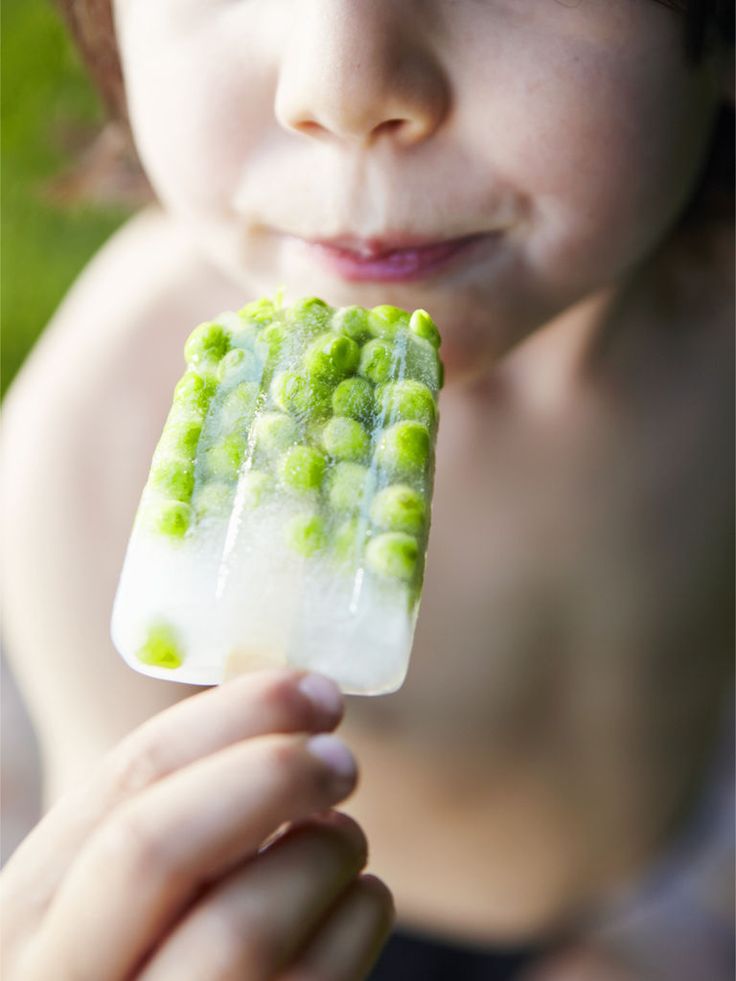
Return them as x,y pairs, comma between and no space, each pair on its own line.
333,751
322,693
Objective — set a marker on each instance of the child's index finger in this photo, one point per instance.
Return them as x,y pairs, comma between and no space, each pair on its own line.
271,701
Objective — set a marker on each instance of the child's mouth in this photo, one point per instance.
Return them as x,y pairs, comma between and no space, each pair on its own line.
388,260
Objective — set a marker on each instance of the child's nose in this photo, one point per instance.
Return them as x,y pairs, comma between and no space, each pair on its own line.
357,70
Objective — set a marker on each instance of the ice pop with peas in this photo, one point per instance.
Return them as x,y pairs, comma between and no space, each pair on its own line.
286,513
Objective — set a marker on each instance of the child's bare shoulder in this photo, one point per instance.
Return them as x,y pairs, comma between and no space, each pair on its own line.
116,338
148,272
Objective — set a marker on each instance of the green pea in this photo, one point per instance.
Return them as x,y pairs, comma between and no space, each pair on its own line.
423,363
407,399
347,541
239,364
353,322
207,344
172,518
386,321
174,477
403,449
377,362
300,395
350,485
399,508
239,405
225,457
161,648
290,392
306,534
274,432
213,500
272,344
310,315
422,325
255,487
302,468
353,397
345,439
261,312
180,438
332,357
393,555
320,398
193,393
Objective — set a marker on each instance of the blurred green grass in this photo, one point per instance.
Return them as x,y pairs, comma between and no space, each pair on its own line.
45,93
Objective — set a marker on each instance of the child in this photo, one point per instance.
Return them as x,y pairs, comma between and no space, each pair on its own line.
538,176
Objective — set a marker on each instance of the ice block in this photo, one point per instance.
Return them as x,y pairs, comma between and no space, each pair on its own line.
286,513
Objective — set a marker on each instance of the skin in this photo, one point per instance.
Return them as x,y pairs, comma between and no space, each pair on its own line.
140,818
588,353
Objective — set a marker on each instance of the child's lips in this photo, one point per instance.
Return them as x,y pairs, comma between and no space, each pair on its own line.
388,260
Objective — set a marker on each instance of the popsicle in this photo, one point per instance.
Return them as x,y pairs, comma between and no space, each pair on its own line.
287,510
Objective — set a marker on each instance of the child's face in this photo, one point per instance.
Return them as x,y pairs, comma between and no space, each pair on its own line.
565,134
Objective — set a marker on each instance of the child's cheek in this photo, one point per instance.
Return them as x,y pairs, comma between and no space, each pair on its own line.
603,147
198,106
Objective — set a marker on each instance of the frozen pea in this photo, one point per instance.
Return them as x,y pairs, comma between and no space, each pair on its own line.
254,487
193,393
407,399
306,534
290,392
302,468
239,364
348,539
353,322
332,357
320,397
225,457
422,325
213,500
310,315
377,362
399,508
207,344
300,395
261,312
274,432
171,518
239,405
349,486
403,449
161,648
423,363
180,438
346,439
174,477
386,321
393,555
272,342
353,397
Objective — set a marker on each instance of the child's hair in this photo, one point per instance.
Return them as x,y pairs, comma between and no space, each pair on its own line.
705,22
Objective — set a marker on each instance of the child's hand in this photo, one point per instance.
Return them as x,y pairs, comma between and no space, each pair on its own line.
155,870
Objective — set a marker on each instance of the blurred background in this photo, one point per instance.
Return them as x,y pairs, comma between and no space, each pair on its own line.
56,211
50,119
